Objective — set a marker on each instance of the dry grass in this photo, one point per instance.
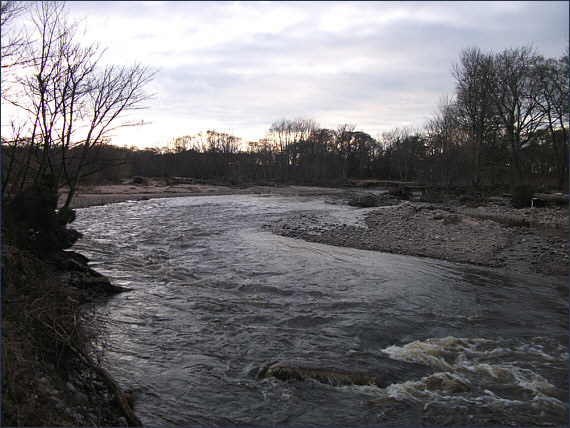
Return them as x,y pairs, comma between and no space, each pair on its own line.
42,322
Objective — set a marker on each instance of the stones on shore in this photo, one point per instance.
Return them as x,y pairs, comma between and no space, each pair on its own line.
475,235
80,400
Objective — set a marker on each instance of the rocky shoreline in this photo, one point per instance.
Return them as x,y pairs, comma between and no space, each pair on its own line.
490,234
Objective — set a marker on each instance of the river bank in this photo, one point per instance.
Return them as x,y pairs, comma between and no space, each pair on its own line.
51,352
493,234
486,232
87,196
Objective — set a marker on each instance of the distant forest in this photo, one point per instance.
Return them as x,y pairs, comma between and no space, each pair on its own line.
505,125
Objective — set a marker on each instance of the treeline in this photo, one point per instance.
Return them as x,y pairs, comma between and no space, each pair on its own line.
506,124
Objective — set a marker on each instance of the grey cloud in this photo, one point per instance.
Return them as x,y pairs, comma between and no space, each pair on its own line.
378,72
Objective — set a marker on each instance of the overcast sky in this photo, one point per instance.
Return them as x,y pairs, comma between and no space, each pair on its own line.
239,66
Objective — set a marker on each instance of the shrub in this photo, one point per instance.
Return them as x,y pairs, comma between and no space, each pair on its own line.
30,220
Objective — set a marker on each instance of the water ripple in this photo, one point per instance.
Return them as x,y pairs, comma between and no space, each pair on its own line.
215,299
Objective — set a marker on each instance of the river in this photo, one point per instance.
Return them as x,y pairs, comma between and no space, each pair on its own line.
216,299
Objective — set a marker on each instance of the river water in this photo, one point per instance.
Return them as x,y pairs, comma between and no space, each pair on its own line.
216,299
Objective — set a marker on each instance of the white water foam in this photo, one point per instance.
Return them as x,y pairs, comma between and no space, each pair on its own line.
462,362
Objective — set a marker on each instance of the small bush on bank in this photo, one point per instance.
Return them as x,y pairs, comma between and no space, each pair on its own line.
140,181
30,220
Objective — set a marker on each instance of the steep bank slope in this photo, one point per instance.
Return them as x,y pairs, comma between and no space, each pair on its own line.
50,350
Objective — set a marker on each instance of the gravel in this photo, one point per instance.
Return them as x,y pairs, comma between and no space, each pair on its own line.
495,235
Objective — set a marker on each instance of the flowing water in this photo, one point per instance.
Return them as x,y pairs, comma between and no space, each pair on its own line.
217,300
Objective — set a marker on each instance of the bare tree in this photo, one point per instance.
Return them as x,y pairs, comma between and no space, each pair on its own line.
552,99
407,147
220,142
14,40
515,101
442,132
112,92
70,104
262,151
286,135
475,86
343,137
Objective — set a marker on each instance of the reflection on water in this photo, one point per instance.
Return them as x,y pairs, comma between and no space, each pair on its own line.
216,300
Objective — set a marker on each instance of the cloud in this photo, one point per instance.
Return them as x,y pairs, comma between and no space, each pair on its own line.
242,65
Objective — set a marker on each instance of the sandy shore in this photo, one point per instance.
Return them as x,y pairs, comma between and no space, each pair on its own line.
493,234
101,195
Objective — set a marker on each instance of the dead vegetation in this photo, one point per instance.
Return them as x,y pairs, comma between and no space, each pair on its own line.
50,354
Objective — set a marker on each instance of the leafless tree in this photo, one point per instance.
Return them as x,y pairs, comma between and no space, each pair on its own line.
475,86
70,103
286,135
407,147
515,100
343,137
552,98
14,40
